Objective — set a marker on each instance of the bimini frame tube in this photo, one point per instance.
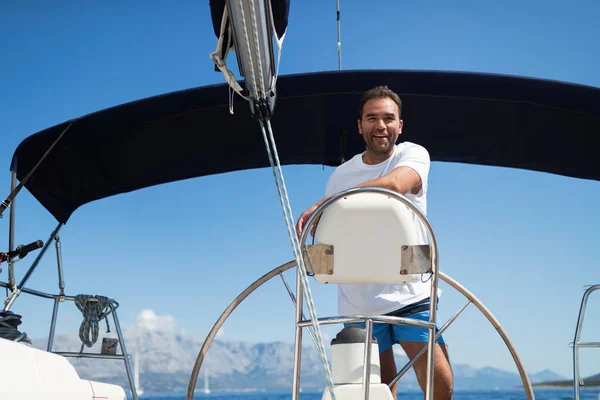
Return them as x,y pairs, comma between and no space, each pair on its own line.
11,235
433,248
61,281
60,298
15,190
57,301
9,202
15,293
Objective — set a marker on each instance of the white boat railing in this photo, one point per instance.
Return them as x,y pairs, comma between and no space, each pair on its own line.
577,379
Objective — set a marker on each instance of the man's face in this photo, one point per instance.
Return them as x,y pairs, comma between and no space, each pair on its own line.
380,125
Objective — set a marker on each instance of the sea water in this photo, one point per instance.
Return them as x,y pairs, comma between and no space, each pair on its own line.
540,394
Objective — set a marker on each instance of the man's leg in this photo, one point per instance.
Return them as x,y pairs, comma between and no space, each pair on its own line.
412,340
388,369
442,375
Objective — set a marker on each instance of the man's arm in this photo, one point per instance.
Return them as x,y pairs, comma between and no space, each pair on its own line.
401,180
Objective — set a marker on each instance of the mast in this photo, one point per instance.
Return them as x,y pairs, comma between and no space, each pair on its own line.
206,388
339,35
136,370
136,373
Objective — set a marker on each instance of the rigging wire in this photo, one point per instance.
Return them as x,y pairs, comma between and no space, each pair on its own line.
285,203
283,195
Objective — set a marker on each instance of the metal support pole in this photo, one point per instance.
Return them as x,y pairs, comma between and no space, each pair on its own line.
367,361
39,257
53,324
90,355
61,283
124,350
11,236
298,339
431,339
432,305
577,381
9,301
57,300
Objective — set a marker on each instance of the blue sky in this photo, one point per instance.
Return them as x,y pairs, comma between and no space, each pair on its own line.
523,242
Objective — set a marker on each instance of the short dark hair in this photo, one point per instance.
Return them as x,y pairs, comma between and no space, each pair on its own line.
380,92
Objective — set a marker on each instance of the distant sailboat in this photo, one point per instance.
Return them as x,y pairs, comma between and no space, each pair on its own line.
136,374
206,384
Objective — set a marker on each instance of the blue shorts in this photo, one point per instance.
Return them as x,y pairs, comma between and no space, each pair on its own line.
388,334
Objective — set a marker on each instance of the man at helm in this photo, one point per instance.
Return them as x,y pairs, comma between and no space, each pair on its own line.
403,168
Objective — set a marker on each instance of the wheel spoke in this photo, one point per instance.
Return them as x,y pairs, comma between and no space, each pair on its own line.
422,351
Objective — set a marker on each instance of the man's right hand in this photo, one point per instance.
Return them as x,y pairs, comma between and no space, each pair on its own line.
306,215
304,218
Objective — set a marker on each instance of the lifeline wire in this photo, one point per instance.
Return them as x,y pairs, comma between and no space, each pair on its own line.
285,202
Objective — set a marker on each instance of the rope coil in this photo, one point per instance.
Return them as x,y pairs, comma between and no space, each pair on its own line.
8,328
94,309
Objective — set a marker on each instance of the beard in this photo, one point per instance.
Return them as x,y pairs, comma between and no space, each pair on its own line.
379,146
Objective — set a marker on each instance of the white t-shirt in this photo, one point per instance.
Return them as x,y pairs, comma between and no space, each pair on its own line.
384,298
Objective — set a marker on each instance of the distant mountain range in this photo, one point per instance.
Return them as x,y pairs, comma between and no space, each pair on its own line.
590,381
167,359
